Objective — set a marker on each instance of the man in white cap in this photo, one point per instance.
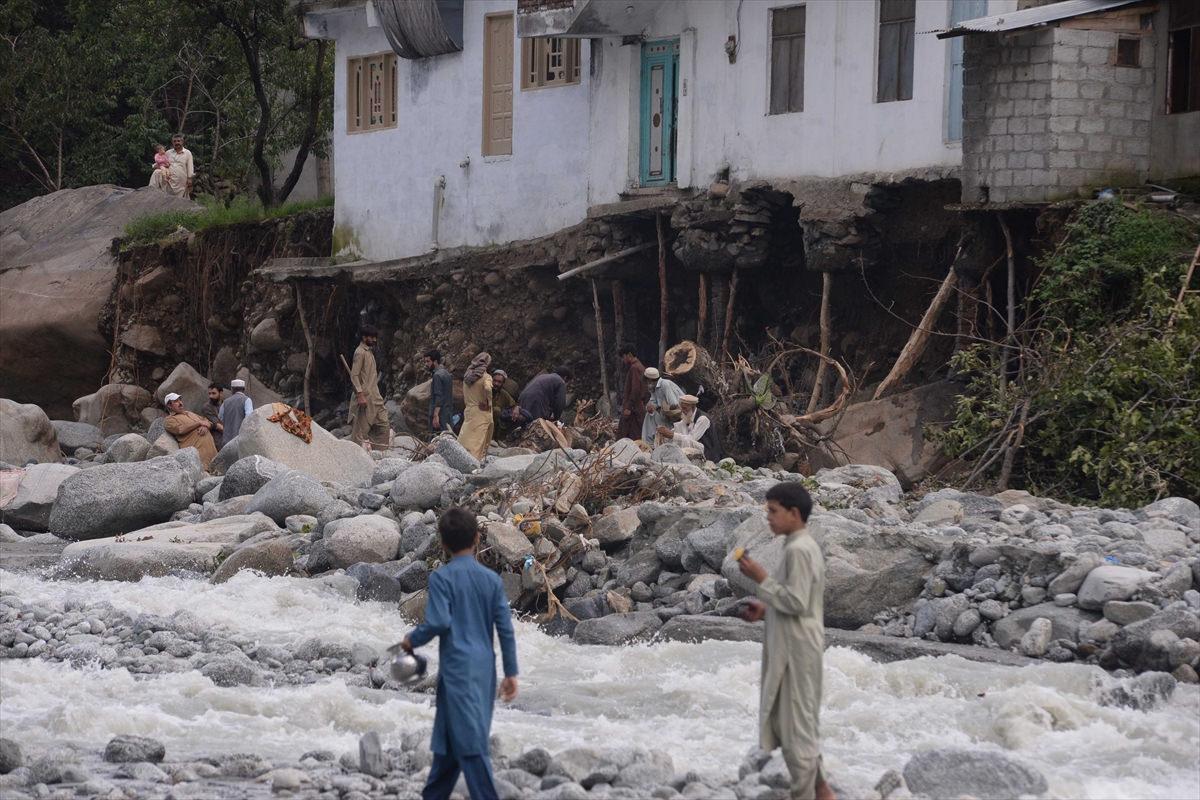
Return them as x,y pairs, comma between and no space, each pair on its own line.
235,409
190,430
689,432
663,408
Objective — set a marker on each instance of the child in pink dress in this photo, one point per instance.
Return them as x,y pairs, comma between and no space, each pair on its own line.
162,160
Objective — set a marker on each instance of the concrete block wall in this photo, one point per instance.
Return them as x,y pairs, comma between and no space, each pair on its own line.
1047,115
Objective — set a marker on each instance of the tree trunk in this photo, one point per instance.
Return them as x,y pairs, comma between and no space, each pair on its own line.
814,400
690,365
310,130
920,336
308,341
662,288
733,282
600,346
702,310
720,298
618,301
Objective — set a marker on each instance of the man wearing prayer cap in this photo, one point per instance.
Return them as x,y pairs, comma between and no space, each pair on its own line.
190,430
692,430
663,408
235,409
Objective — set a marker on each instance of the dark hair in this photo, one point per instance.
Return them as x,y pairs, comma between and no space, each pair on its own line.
458,528
565,372
178,136
627,350
434,354
792,495
367,330
216,386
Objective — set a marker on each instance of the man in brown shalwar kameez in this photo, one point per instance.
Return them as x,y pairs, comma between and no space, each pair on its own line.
792,601
190,430
368,415
634,396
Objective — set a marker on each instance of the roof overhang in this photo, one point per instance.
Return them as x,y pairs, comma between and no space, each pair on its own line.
1033,17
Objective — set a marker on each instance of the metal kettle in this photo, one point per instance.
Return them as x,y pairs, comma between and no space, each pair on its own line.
406,668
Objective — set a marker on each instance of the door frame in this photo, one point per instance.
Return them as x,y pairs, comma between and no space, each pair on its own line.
487,99
658,53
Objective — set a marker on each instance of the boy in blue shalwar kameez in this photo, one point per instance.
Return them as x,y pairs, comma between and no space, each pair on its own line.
466,604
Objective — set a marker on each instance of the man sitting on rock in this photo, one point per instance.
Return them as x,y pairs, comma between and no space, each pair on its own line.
190,430
692,431
466,608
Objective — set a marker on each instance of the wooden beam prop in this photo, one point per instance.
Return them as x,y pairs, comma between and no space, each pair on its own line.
733,282
814,400
662,288
702,309
308,341
600,262
618,301
915,346
600,341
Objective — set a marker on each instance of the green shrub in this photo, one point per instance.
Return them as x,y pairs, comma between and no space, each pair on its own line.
1109,382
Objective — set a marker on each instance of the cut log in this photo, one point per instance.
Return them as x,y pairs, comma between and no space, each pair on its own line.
920,336
691,366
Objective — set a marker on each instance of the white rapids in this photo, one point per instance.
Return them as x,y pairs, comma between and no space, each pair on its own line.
696,701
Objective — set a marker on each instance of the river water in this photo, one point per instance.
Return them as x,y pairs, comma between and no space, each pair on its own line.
696,701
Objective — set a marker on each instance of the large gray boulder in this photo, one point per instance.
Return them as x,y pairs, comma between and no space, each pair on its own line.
1184,511
116,498
326,458
187,382
617,528
386,469
129,448
760,544
272,557
1067,622
59,268
113,408
509,544
1136,644
74,435
248,475
162,549
616,629
368,538
227,456
26,434
977,773
29,508
708,546
456,455
425,486
696,628
1111,582
289,493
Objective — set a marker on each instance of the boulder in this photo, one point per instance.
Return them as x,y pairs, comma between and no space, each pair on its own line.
59,268
510,544
1127,612
162,549
387,469
129,448
26,434
424,486
760,544
225,508
248,475
641,567
144,339
115,498
708,546
368,538
1184,511
1066,622
10,756
289,493
865,477
456,455
1135,643
272,557
893,431
187,382
977,773
227,456
37,489
375,584
265,338
615,529
326,458
125,749
113,408
616,629
1071,578
74,435
695,628
1111,582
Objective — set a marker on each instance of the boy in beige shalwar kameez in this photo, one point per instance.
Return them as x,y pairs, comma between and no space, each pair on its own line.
792,601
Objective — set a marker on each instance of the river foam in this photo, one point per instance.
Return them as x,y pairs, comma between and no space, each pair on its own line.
696,701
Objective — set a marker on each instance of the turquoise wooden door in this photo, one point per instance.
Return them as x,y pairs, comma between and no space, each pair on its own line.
660,68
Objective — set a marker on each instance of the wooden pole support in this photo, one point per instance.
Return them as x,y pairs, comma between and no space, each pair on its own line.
600,341
662,288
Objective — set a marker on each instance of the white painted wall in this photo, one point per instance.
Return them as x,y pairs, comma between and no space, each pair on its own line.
577,146
384,180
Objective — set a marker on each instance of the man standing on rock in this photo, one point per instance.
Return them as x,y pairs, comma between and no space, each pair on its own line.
368,415
634,396
234,410
212,413
190,430
466,607
792,601
441,393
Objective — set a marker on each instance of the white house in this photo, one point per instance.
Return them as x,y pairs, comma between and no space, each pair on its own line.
493,121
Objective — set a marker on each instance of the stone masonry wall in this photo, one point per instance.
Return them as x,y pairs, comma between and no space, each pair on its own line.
1048,115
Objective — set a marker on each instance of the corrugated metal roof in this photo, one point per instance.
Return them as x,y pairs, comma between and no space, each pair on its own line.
1032,17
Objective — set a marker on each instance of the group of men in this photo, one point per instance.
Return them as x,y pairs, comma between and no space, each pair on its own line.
657,410
219,420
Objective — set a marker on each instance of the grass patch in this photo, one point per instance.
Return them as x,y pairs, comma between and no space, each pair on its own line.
214,214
